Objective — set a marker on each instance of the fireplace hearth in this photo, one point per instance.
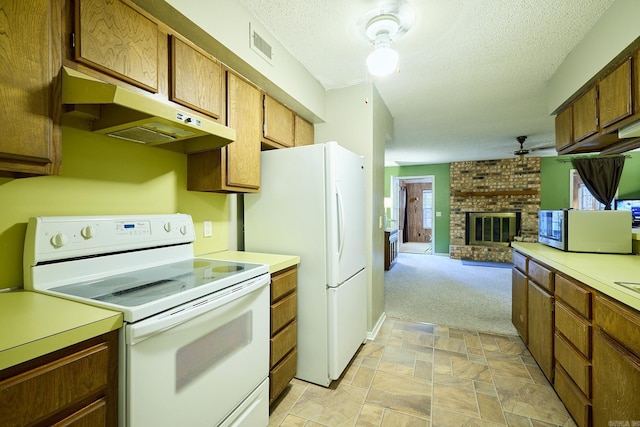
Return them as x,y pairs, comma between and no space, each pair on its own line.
491,228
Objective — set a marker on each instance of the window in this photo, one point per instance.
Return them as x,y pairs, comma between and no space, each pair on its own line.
581,197
427,209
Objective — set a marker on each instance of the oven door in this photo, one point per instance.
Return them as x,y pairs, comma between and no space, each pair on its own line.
198,363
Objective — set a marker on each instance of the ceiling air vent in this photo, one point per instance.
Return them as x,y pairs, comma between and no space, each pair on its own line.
260,45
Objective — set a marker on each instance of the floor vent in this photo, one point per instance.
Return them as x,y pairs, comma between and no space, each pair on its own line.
260,45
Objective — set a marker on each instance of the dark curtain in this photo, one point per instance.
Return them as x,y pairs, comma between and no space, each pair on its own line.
405,221
601,176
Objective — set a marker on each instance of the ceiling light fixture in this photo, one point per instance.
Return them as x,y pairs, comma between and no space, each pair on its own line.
380,30
382,26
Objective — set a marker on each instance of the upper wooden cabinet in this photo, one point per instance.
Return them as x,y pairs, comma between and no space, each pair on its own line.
235,167
585,115
30,91
564,128
303,132
196,79
278,124
117,40
615,100
590,121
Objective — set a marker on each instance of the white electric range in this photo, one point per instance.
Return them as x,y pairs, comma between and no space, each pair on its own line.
191,324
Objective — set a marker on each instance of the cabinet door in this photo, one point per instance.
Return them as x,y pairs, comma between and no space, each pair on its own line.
564,128
303,132
117,40
540,328
196,79
519,302
615,95
278,126
29,93
616,383
235,167
585,115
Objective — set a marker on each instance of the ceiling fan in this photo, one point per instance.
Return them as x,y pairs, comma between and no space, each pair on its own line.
521,152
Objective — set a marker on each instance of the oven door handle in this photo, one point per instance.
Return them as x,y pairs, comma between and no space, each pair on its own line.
140,331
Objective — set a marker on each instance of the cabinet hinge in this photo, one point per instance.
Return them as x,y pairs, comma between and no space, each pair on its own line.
73,40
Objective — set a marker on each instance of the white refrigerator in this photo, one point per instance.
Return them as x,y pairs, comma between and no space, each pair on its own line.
312,204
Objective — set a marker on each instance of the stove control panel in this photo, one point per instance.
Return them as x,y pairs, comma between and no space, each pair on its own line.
58,238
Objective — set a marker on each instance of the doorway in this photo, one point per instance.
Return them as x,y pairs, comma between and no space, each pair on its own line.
412,213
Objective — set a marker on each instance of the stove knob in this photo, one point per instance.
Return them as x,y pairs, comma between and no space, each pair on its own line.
59,240
87,232
167,227
183,230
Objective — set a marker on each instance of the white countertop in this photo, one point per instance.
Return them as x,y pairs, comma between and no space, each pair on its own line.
599,271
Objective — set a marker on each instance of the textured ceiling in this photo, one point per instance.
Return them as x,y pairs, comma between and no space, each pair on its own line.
473,73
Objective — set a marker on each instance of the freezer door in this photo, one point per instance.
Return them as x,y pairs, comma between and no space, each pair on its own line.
347,322
345,213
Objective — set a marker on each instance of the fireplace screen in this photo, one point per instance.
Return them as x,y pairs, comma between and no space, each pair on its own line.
491,228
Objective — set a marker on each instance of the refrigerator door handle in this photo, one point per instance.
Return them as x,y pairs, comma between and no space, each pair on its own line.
340,221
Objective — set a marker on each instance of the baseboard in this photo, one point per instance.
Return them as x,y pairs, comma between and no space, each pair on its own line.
372,335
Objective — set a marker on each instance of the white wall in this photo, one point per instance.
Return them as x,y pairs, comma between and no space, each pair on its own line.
613,32
359,120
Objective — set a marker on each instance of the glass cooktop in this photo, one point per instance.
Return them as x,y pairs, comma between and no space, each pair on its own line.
143,286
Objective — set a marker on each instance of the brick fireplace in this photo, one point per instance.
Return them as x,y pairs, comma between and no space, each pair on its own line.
493,186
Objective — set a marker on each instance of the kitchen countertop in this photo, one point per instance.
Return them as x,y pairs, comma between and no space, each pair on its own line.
35,324
276,262
599,271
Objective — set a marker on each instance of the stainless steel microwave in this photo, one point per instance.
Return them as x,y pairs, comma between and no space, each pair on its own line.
586,231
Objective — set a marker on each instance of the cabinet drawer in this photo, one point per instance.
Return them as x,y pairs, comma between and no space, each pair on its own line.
282,375
541,275
577,405
575,329
519,261
574,295
618,322
283,312
578,368
283,342
283,282
30,396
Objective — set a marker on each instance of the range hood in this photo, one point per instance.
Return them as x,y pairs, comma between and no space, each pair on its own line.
121,113
630,131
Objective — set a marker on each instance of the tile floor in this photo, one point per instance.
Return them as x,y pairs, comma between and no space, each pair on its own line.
417,374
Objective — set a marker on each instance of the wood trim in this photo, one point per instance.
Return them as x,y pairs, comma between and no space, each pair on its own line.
495,193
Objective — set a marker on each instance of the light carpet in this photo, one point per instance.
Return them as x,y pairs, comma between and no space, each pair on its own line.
444,291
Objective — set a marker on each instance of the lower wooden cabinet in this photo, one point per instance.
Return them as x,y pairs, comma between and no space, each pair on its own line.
594,364
75,386
616,364
390,248
284,330
519,314
540,327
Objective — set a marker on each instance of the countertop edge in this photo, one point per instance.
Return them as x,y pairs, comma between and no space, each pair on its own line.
585,270
276,262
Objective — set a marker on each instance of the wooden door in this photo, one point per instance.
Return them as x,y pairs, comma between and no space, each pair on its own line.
585,115
615,95
564,128
196,79
540,327
616,382
278,126
113,38
519,303
303,132
30,90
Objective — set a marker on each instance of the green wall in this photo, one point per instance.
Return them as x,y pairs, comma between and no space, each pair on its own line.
554,193
554,177
105,176
441,178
